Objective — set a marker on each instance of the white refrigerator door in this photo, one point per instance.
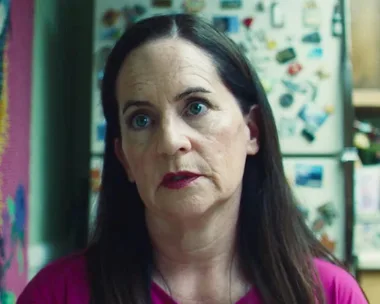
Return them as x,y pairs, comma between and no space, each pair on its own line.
318,186
304,91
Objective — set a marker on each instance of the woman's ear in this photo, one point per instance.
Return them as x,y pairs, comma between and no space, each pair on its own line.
122,159
251,121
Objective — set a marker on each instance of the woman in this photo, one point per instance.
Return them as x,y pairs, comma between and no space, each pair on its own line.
194,206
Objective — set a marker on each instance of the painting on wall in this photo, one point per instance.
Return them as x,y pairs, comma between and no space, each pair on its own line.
16,32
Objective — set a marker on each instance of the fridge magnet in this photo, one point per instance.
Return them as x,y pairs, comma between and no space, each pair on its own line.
314,117
315,53
294,69
328,213
228,24
309,175
329,109
322,73
194,6
260,6
311,14
271,44
327,242
337,22
294,87
101,132
277,18
286,100
110,17
110,34
247,22
318,225
287,127
286,55
267,85
162,3
313,37
230,3
313,89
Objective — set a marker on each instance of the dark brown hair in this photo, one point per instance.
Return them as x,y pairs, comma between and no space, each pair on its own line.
274,244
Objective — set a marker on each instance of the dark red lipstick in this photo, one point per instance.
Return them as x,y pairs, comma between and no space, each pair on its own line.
179,180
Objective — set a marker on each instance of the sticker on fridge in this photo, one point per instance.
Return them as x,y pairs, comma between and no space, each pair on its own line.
309,175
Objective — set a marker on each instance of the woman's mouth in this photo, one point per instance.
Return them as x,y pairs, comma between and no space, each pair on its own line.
179,180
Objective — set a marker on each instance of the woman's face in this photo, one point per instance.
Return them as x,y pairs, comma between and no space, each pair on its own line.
184,139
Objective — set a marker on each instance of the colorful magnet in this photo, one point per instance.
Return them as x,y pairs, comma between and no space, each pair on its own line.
260,6
313,89
315,53
110,17
267,85
194,6
247,22
294,69
110,34
318,225
309,175
287,128
322,74
228,24
271,44
286,100
313,116
329,109
328,213
162,3
314,37
230,3
327,242
311,14
337,22
294,87
286,55
308,135
277,18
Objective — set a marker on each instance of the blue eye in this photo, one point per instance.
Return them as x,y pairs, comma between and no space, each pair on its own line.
196,108
140,121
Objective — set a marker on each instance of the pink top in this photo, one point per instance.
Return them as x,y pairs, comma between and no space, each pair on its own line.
65,282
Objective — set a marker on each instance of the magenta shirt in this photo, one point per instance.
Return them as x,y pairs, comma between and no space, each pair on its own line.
65,282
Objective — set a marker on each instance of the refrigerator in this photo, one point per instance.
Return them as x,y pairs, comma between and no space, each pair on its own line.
300,49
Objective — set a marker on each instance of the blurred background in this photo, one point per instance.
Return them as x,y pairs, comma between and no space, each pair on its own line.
319,62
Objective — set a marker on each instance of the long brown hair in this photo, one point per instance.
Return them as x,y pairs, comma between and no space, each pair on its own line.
274,244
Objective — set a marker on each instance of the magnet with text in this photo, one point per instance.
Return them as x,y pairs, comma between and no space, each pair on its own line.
226,24
230,3
194,6
315,53
294,69
286,55
277,18
311,14
287,127
328,212
309,175
314,37
286,100
162,3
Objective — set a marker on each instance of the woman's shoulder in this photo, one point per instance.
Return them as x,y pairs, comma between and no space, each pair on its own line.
62,281
339,285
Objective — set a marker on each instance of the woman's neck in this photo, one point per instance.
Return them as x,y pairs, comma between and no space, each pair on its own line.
196,258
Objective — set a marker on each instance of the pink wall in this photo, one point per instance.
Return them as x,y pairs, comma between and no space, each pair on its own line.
14,166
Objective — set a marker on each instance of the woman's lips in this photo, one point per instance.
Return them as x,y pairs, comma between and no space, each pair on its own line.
179,180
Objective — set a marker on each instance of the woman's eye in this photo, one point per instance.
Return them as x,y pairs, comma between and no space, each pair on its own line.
140,121
196,108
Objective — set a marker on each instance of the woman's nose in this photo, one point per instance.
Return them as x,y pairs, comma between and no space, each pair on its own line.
172,138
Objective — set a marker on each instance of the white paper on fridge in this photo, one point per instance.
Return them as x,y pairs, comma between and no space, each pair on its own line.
367,189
